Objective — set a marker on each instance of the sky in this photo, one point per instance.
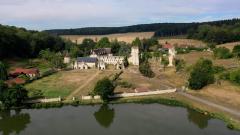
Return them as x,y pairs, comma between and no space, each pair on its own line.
59,14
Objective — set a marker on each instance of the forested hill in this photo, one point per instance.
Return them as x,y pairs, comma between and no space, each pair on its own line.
160,29
19,42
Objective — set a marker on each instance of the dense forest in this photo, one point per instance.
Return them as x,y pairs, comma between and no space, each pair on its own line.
19,42
160,29
216,34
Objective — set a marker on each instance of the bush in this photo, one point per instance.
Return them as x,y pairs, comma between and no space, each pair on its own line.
104,88
236,51
201,75
224,76
222,53
146,70
218,69
179,64
234,76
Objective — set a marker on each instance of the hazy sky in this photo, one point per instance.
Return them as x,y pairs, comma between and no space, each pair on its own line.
51,14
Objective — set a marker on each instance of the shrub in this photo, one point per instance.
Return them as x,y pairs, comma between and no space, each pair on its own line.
222,53
201,75
218,69
234,76
236,51
146,70
179,64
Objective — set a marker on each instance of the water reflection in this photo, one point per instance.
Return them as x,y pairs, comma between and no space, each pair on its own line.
13,122
104,116
198,119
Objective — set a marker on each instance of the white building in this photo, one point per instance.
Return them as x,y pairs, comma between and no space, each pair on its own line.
134,58
85,63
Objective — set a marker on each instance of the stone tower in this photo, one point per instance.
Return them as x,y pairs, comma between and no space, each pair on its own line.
134,58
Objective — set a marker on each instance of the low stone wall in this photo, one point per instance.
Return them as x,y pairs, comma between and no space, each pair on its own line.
44,100
132,94
143,93
90,97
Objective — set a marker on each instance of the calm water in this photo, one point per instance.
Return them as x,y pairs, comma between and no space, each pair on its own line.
124,119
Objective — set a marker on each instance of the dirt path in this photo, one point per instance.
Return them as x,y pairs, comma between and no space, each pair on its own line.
85,84
220,107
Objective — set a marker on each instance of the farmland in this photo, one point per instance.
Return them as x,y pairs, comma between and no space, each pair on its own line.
126,37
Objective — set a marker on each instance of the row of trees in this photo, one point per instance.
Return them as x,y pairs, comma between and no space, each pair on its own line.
160,29
19,42
84,49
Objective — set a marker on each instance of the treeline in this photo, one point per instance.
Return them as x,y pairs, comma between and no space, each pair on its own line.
19,42
160,29
216,34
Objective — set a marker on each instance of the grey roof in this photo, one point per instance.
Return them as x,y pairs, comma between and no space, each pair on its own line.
87,59
102,51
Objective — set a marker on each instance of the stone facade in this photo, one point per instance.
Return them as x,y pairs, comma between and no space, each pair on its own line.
171,56
134,58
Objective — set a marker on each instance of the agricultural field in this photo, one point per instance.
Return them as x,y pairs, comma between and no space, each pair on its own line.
229,45
126,37
183,42
191,58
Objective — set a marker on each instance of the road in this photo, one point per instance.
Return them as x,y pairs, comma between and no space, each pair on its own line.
206,102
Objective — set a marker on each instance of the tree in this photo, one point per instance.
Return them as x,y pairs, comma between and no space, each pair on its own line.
222,53
103,43
13,96
104,88
136,42
115,46
179,64
55,59
86,46
3,72
165,62
234,76
236,51
125,62
145,69
201,74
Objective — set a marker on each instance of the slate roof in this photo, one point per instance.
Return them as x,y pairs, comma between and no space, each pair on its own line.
102,51
87,59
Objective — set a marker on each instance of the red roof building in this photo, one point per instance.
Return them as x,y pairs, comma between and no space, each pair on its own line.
168,46
32,72
15,81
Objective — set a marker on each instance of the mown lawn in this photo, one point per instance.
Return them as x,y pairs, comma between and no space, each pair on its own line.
52,86
65,82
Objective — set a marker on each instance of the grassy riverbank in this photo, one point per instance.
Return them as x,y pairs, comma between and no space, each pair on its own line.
166,99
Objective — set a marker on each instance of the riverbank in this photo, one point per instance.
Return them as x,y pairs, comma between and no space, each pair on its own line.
165,99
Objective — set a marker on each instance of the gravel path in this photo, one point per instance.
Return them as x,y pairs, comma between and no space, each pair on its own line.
220,107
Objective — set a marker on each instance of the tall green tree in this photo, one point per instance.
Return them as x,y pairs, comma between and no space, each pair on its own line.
13,96
103,43
201,75
3,71
104,88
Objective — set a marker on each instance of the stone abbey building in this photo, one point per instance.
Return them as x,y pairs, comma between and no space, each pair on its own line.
101,57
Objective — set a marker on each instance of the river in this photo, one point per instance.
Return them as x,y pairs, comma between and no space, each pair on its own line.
118,119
